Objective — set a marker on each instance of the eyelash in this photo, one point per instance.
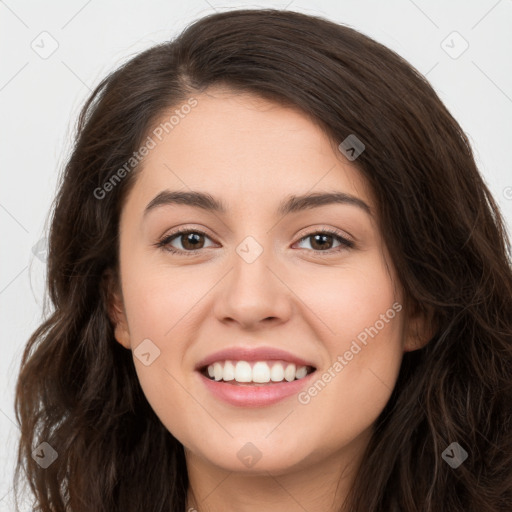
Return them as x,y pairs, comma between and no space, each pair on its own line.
164,242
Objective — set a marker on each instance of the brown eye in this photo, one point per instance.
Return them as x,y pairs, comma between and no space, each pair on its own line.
189,240
323,241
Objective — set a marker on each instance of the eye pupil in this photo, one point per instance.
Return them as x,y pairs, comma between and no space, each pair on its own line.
321,237
193,238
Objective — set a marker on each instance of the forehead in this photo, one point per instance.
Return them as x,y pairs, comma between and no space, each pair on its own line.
245,149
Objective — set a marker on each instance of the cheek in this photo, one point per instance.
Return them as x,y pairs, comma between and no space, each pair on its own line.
344,302
159,301
178,410
362,330
347,397
159,306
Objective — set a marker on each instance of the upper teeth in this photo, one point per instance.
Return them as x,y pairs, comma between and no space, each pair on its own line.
260,371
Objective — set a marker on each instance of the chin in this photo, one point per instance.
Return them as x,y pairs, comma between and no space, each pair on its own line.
256,456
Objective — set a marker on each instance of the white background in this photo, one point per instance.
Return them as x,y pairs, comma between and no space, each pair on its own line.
40,99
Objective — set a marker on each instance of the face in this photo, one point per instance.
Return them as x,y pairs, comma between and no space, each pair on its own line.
307,292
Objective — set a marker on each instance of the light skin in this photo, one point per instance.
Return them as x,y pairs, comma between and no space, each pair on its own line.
252,155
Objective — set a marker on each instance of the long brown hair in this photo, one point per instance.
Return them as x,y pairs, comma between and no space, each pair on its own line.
77,388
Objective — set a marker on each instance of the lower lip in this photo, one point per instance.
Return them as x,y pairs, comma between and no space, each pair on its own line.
255,396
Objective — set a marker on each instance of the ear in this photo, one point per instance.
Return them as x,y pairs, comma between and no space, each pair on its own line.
419,328
115,308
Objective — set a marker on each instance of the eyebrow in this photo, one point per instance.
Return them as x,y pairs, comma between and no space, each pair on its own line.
291,204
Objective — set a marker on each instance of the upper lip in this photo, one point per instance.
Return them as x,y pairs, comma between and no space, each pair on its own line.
252,354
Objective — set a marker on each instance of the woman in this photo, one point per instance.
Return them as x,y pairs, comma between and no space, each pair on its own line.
279,282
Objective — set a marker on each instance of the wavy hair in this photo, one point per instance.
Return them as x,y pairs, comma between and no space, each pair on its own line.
77,388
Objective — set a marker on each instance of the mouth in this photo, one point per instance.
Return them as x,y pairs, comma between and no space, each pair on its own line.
255,383
255,373
246,376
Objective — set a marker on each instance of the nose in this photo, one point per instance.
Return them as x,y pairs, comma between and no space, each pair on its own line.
253,292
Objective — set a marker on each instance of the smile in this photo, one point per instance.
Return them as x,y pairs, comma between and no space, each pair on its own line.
256,372
257,384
